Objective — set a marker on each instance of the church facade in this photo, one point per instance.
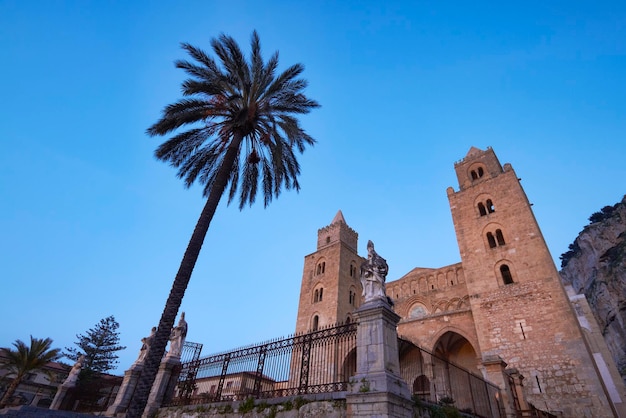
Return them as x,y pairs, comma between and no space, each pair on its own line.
503,301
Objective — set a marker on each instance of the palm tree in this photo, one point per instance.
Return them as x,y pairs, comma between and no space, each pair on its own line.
243,132
24,360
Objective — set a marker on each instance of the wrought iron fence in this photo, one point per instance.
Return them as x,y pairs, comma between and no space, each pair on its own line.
435,380
316,362
323,361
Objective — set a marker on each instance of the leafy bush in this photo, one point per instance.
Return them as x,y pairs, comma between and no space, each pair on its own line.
246,406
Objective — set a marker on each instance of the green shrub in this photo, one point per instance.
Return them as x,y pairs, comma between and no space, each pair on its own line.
246,406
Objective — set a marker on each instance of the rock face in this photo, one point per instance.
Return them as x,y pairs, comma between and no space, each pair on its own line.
596,267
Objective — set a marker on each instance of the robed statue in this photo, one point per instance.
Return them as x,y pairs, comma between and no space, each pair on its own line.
373,274
72,378
177,337
146,342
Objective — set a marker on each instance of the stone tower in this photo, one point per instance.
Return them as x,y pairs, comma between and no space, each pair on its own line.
330,288
520,309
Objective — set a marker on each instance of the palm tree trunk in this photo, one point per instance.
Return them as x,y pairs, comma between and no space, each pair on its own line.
157,348
10,391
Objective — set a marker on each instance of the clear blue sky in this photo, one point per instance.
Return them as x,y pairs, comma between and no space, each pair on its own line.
92,225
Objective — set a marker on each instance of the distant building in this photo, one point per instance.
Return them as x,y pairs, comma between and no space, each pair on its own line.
37,388
504,300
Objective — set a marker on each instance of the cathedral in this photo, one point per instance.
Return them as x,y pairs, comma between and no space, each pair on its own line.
504,301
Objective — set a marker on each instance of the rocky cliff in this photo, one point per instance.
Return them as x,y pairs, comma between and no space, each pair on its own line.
596,266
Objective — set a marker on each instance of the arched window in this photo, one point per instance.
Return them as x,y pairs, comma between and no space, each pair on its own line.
316,321
500,237
352,270
480,172
481,209
490,207
491,240
316,296
348,320
321,293
321,267
474,175
327,240
505,271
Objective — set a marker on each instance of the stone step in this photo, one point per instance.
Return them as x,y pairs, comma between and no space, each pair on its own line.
25,411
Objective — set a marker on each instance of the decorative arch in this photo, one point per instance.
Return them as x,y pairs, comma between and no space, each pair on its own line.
417,310
421,387
317,294
315,322
477,171
353,271
407,305
432,285
431,343
451,277
320,267
460,274
414,368
348,367
440,306
441,281
484,204
454,304
352,296
423,284
456,348
493,235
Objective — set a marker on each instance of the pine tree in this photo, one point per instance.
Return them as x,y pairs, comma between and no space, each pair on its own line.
99,346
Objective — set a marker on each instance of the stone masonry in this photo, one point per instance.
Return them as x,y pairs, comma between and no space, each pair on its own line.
503,300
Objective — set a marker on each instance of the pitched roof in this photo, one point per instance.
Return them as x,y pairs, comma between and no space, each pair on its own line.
339,218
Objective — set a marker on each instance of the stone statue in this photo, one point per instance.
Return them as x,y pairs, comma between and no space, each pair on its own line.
69,382
145,346
177,337
373,273
72,378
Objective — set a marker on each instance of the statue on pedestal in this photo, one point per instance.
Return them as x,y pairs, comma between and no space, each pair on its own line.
72,378
145,346
177,337
69,382
373,274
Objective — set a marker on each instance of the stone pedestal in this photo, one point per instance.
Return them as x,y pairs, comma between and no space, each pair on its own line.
58,397
122,400
168,370
377,390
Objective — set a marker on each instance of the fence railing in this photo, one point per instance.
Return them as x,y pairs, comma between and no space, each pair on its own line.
436,380
316,362
324,361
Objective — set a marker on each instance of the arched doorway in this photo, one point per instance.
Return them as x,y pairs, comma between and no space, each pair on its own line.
348,368
455,348
453,357
414,369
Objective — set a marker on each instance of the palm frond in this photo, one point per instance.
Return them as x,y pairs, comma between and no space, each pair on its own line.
227,95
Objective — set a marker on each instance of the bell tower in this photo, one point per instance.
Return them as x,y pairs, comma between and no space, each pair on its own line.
330,288
520,309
